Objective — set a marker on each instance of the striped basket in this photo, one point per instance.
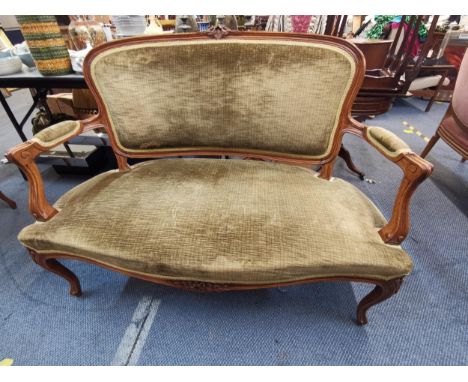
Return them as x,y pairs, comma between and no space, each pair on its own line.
46,44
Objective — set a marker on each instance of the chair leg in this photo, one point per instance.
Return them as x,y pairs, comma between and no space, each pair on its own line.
430,144
380,293
54,266
10,202
349,162
431,102
436,92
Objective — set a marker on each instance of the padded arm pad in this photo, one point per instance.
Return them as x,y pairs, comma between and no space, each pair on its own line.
23,156
386,141
58,133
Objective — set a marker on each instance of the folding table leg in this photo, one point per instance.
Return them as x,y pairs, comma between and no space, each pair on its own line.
18,127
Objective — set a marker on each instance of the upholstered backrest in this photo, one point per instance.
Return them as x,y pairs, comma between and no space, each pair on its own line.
460,94
266,94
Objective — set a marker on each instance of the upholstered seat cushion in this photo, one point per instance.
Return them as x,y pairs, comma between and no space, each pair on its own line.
215,220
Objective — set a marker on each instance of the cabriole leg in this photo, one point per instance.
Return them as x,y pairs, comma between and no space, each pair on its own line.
380,293
54,266
344,153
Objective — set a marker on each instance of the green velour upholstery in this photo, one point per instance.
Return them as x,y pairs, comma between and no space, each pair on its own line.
215,220
388,142
56,133
277,96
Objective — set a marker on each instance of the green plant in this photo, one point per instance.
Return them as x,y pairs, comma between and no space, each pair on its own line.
382,20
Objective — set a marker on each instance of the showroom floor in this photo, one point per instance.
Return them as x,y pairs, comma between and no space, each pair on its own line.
120,320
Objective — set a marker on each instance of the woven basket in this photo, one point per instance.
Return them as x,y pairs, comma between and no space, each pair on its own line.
46,44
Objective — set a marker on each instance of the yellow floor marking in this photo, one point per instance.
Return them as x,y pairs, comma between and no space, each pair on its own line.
6,362
412,130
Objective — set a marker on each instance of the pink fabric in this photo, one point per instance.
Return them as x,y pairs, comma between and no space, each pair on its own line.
300,24
455,135
415,50
460,94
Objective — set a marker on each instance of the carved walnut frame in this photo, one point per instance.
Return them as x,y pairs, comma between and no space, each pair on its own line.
414,168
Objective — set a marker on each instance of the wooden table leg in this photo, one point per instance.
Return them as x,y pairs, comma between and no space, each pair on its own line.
10,202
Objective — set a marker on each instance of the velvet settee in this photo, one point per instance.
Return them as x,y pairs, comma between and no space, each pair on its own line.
190,217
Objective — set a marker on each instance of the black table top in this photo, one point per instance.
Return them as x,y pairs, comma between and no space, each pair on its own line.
34,79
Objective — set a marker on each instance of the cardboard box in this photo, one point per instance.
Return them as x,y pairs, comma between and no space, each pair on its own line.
61,103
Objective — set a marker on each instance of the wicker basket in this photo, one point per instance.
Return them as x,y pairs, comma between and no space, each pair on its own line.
47,46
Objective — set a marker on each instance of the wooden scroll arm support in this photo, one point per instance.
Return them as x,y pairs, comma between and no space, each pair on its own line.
24,154
415,171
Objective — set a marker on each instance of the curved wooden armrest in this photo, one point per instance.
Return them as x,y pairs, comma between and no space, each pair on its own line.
23,156
415,171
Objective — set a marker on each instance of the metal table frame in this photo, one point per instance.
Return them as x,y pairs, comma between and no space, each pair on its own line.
42,85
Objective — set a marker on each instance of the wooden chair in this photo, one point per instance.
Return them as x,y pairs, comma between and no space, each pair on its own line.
336,25
431,85
382,85
454,126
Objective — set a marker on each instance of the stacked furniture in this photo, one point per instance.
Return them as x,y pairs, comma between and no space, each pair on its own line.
400,68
